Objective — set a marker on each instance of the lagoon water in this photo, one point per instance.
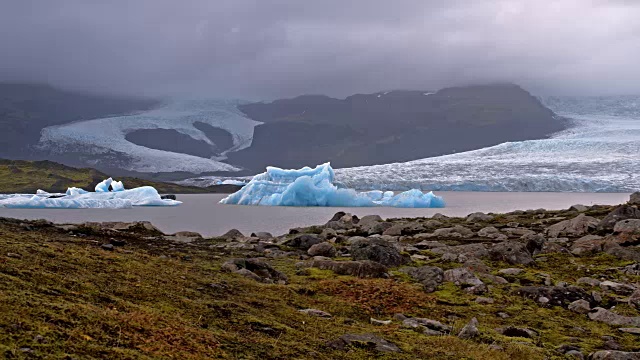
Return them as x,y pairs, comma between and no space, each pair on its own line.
203,213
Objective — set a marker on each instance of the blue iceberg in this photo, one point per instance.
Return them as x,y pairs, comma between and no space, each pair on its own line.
76,198
315,187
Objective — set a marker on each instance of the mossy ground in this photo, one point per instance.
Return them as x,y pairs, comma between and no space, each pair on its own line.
63,296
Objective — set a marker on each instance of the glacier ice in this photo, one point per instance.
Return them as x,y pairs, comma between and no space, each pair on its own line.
76,198
315,187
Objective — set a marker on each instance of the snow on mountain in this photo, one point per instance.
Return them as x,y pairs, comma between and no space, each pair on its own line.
104,139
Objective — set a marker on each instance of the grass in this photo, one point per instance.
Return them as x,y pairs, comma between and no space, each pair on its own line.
63,296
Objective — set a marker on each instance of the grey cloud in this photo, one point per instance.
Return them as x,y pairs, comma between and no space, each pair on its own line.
268,49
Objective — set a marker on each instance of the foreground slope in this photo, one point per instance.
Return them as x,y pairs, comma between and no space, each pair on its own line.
117,290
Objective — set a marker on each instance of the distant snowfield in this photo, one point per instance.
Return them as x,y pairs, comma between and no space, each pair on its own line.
102,137
600,153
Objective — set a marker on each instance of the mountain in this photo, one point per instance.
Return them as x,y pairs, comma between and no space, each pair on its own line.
368,129
26,109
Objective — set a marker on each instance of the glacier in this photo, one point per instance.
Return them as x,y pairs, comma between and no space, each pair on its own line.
600,152
76,198
103,137
316,187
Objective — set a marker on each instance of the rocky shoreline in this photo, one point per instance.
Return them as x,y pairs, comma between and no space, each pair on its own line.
526,284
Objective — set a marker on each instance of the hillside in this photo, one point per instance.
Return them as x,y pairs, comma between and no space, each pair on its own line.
488,287
369,129
19,176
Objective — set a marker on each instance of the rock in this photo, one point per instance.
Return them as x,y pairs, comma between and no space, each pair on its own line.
575,354
439,216
511,252
627,226
108,247
618,288
634,299
491,232
187,237
610,343
361,269
580,306
379,322
633,269
518,232
404,229
429,244
462,253
557,295
377,250
612,247
622,212
578,226
477,266
518,332
316,312
322,249
634,199
429,276
634,331
535,242
470,330
232,234
611,318
564,348
14,255
479,217
456,232
427,324
588,281
614,355
587,245
462,277
303,242
511,271
328,234
255,269
484,300
117,242
168,197
366,341
578,208
262,235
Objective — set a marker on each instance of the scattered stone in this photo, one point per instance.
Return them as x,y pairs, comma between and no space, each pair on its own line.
518,332
439,216
316,312
462,253
187,237
117,242
456,232
328,234
361,269
232,234
484,300
575,354
503,315
262,235
429,276
491,232
564,348
627,226
580,306
479,216
511,252
428,326
470,330
404,229
322,249
462,277
587,245
557,295
633,269
511,271
366,341
588,281
14,255
255,269
634,299
377,250
611,318
578,226
379,322
108,247
429,245
303,242
578,208
615,355
610,343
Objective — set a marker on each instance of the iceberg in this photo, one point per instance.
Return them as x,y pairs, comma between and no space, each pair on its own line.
315,187
102,198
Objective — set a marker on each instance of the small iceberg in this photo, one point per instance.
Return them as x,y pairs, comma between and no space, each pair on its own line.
315,187
109,194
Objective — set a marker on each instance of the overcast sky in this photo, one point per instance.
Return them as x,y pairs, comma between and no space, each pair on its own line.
265,49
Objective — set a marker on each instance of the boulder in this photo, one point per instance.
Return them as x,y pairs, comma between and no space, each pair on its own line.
366,341
232,234
491,233
456,232
634,199
462,253
618,288
479,217
634,299
622,212
511,252
429,276
377,250
578,208
627,226
429,245
614,355
404,229
322,249
512,331
578,226
587,245
462,277
361,269
611,318
580,306
255,269
316,313
428,326
303,242
470,330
